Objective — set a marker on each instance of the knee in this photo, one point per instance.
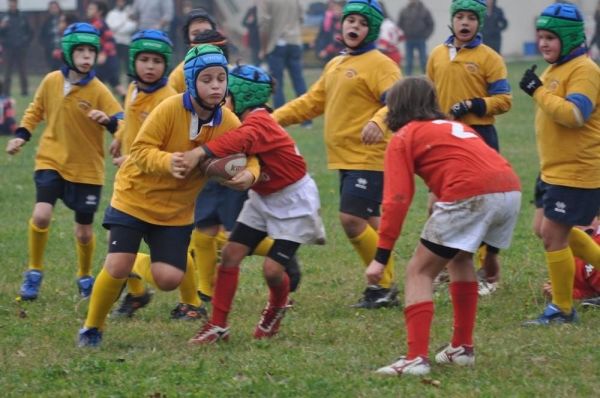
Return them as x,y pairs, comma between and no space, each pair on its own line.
84,234
167,281
232,254
353,225
273,273
41,219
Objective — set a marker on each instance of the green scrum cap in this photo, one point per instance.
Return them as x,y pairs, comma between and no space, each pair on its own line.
478,7
371,11
566,22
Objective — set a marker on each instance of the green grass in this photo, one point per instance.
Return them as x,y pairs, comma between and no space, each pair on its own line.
325,348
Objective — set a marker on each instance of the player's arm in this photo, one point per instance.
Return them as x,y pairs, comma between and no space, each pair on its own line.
146,150
376,129
306,107
33,115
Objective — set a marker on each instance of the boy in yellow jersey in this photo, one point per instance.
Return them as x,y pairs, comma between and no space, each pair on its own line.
69,164
350,94
154,191
149,57
472,84
567,125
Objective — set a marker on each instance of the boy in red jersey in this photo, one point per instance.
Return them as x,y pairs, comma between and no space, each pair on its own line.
284,204
479,199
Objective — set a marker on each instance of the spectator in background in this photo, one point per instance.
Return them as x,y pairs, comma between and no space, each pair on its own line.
494,24
108,63
417,24
279,23
596,37
252,36
50,35
120,23
16,35
328,43
153,14
390,37
7,114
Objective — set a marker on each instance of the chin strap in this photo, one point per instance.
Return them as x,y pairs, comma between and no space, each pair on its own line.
203,105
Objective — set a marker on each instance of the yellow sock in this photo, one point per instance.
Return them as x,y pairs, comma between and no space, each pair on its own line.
38,237
136,286
221,239
106,291
85,256
365,245
584,247
263,247
561,267
187,288
205,260
142,267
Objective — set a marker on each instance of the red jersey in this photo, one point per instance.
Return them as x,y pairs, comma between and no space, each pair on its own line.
450,157
280,162
587,278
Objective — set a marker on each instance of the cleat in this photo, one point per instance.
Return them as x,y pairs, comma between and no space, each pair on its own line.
85,285
210,334
188,312
591,303
270,320
89,337
205,298
376,296
130,304
417,367
31,284
484,286
294,273
553,315
462,355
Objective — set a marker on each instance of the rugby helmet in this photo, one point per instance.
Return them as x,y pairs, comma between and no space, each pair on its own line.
196,60
566,22
196,13
478,7
250,87
78,34
371,11
150,41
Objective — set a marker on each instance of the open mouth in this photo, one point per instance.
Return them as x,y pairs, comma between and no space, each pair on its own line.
353,35
465,31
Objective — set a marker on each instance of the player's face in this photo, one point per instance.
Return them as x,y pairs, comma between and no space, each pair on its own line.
354,30
149,67
549,45
211,85
196,27
464,24
84,57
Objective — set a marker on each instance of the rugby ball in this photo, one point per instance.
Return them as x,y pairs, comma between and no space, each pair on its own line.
222,169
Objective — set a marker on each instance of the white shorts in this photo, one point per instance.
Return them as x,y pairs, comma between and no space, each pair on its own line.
466,223
290,214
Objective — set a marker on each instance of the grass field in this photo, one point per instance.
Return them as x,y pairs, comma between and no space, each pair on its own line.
325,348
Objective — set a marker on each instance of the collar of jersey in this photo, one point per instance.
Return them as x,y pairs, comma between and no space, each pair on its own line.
361,50
573,54
154,87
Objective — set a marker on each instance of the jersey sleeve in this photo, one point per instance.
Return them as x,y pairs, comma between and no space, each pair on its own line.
576,107
398,190
306,107
34,113
499,98
146,150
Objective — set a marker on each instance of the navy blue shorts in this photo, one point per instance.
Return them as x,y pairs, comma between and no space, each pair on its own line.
567,205
361,192
489,134
83,199
218,205
167,244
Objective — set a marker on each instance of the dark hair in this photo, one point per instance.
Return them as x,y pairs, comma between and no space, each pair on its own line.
213,37
412,98
197,13
102,7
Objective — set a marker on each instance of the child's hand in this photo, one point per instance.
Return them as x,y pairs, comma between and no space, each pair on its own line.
371,134
460,109
13,146
178,168
118,161
99,116
530,81
241,181
192,158
374,272
115,148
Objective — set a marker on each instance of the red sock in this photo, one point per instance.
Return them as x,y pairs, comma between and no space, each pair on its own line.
278,295
225,287
418,319
464,302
